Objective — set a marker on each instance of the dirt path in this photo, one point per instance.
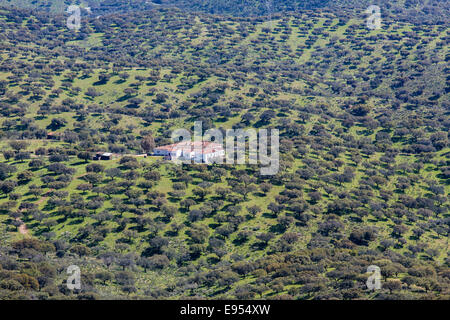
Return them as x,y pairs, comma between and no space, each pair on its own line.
42,199
23,228
80,176
131,155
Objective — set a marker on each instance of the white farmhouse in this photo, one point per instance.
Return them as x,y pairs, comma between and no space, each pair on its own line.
197,151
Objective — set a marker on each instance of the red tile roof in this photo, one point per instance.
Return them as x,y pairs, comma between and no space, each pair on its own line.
202,146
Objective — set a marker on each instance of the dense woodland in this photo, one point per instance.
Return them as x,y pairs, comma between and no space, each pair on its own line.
417,11
364,172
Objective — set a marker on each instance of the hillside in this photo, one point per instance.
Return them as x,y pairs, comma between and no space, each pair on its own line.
416,11
364,176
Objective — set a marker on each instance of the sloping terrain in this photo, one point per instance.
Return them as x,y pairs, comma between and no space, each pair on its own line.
417,11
